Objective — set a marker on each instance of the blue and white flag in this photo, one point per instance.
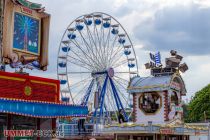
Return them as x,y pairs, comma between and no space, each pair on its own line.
157,59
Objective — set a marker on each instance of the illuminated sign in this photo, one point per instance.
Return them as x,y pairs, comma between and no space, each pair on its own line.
26,33
166,131
179,109
17,86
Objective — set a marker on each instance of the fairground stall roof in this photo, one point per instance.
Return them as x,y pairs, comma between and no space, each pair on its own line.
41,109
34,96
157,83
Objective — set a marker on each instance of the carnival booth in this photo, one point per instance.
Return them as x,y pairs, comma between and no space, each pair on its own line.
28,102
157,104
32,103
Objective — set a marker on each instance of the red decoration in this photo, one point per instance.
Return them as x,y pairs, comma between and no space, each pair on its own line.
18,86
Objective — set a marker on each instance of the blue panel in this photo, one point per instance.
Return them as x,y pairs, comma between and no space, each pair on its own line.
114,31
79,27
97,21
65,49
37,109
62,64
106,25
71,36
88,22
63,82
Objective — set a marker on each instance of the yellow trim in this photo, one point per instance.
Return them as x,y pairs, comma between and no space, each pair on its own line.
12,78
46,83
147,87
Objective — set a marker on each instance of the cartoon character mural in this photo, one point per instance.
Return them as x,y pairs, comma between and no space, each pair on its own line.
150,102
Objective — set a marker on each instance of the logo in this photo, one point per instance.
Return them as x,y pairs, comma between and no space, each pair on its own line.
27,90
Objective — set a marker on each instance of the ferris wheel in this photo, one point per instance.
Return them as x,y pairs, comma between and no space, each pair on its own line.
96,60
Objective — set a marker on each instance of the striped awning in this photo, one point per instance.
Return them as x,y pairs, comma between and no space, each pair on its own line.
41,109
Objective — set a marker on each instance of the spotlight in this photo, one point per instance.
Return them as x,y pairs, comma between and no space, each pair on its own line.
152,65
173,52
179,57
172,62
147,65
183,67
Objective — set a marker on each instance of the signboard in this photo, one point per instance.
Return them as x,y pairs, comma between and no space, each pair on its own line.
179,109
25,34
166,131
17,86
175,85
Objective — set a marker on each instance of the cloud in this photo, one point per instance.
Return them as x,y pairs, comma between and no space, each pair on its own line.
185,28
152,26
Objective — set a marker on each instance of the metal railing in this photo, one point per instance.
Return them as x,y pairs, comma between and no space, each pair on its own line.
72,129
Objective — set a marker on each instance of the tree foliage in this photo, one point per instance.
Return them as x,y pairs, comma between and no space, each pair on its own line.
199,106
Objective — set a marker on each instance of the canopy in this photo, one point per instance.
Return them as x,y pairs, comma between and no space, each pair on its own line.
41,109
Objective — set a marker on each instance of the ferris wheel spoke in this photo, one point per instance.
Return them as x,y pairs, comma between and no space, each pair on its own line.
96,54
112,48
99,44
85,54
117,52
93,41
87,46
121,72
80,65
117,59
81,92
79,58
80,83
126,81
103,47
106,46
81,62
120,63
74,72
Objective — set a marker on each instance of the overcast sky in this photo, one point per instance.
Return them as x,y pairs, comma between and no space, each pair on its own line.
153,25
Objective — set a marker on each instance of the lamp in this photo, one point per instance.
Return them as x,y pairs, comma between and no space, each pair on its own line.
172,62
173,52
183,67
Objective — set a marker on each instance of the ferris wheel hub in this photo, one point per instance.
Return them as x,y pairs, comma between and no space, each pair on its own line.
109,72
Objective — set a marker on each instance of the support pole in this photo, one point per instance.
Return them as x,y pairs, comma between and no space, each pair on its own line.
38,126
1,27
118,101
9,123
87,95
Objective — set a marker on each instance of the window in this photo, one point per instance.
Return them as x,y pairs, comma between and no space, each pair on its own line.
150,102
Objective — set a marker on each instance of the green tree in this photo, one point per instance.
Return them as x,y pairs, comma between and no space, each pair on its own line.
199,106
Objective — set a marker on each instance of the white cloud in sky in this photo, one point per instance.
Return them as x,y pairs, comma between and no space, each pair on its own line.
150,24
